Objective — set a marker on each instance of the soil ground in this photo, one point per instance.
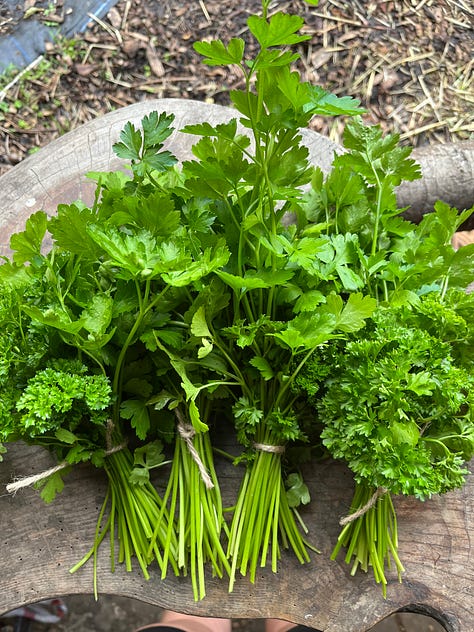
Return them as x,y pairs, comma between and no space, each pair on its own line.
409,61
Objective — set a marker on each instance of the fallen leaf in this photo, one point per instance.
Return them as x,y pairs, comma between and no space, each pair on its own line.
32,11
320,58
131,46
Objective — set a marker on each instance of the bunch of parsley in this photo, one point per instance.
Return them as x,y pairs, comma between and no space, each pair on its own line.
395,399
220,291
288,289
83,332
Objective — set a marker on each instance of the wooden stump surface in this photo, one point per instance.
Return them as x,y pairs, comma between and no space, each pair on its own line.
40,543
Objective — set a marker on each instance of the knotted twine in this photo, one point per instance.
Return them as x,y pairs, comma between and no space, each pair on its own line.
29,481
186,432
379,492
265,447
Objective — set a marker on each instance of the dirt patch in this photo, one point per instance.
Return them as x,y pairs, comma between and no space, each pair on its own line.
410,62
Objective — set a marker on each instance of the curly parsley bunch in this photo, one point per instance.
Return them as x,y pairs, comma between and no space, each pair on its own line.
400,411
396,405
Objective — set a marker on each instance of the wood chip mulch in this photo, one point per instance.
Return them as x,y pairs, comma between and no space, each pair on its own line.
410,62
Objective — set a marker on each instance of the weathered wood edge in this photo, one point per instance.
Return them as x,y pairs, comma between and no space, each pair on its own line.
41,542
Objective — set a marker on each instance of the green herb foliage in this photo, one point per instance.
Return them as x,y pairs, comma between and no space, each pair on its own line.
277,273
395,399
78,372
191,297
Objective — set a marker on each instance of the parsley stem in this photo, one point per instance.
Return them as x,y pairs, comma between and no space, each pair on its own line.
199,514
262,518
371,538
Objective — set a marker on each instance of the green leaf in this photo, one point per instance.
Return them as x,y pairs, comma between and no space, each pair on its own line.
272,278
308,253
216,53
247,104
405,432
245,334
161,161
138,387
68,230
195,417
79,454
297,492
225,130
156,128
280,30
65,436
143,147
273,59
98,315
139,476
53,485
145,459
137,254
238,283
13,275
150,454
420,383
137,412
308,330
130,144
263,366
255,279
27,244
379,159
404,297
168,336
162,400
205,349
322,103
351,316
210,260
54,317
191,391
199,324
309,301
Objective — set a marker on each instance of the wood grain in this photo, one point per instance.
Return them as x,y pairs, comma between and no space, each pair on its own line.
40,543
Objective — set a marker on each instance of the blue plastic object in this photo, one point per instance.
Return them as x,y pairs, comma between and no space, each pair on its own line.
27,42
